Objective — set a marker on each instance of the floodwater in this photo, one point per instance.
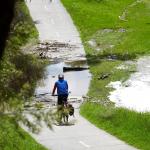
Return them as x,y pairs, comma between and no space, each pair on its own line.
136,95
78,81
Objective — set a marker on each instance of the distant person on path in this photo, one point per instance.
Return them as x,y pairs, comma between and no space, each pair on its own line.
62,90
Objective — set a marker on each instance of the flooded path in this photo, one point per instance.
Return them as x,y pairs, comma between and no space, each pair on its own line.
78,81
55,26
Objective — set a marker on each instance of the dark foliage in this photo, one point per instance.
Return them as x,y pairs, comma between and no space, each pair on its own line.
6,16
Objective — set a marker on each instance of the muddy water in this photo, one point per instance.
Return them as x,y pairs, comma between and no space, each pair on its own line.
78,81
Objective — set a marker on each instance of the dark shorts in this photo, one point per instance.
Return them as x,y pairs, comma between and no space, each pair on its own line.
62,99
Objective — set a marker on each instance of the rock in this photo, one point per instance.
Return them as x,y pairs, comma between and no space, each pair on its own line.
92,43
112,57
122,30
43,55
104,76
107,30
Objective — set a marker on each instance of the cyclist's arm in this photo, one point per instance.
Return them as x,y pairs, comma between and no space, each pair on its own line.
67,85
54,89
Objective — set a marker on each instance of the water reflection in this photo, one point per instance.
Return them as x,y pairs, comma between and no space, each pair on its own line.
78,81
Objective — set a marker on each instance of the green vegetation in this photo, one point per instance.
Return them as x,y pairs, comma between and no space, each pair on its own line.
14,138
18,75
113,31
98,88
128,125
92,16
18,71
22,29
105,35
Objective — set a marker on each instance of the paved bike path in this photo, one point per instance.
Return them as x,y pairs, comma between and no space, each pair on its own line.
54,23
79,135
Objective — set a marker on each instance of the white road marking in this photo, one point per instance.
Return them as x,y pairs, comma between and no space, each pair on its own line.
85,145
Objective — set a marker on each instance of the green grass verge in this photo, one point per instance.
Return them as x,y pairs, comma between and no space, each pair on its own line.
130,126
91,16
120,29
13,137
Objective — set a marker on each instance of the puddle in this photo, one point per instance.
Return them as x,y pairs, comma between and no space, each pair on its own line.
78,81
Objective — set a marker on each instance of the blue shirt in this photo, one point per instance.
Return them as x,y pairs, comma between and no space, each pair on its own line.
62,87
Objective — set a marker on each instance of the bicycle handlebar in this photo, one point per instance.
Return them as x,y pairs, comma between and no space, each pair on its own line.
55,95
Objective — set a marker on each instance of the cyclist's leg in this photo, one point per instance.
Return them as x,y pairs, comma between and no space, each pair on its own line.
65,100
60,100
60,106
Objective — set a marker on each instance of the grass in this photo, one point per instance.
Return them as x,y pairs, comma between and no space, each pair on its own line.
98,88
130,126
12,137
100,21
91,16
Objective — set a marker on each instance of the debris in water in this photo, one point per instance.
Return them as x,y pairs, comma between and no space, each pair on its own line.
65,69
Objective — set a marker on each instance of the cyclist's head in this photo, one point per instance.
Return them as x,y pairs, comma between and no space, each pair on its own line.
60,76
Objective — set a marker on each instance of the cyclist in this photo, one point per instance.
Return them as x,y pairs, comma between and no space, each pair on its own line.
62,90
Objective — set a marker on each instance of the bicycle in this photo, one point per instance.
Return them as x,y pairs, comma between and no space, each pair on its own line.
63,112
